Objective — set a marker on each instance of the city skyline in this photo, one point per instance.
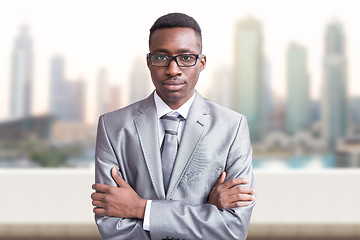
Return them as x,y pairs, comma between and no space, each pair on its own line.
298,101
22,65
335,98
67,98
120,72
248,83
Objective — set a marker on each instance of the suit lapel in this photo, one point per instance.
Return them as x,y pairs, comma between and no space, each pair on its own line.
196,123
147,127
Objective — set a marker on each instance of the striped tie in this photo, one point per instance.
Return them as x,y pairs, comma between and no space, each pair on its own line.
169,146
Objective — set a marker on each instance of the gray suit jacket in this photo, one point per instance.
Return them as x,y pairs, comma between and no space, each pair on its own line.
214,139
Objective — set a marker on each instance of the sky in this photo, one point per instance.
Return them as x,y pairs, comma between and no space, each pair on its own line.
112,34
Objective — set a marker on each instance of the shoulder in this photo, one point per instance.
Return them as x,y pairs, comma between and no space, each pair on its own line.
222,113
229,122
127,114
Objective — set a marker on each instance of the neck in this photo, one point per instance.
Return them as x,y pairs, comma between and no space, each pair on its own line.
176,104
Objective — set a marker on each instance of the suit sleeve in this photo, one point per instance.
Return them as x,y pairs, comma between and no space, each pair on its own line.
180,220
112,228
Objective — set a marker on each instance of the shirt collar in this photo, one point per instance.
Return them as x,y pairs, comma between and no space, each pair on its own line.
162,108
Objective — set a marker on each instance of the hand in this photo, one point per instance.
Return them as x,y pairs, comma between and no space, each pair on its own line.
122,201
229,195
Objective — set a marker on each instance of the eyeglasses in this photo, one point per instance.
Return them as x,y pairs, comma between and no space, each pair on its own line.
184,60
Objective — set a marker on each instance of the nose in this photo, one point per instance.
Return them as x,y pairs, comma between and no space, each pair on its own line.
173,69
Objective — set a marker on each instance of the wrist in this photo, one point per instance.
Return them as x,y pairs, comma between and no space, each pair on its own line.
141,209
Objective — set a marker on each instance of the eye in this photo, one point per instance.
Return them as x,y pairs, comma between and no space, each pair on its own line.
160,57
186,58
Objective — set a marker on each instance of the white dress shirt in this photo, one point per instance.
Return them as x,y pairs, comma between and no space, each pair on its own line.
161,109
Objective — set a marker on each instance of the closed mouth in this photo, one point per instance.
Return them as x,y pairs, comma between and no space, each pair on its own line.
173,85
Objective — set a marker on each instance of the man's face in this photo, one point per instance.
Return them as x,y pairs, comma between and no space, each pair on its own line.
175,85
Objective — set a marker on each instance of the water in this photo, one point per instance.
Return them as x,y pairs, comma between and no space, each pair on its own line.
296,162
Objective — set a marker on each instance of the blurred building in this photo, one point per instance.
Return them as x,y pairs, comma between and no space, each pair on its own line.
315,111
277,116
67,98
102,92
221,90
269,99
115,98
249,77
71,132
140,84
109,97
298,100
354,116
46,128
76,99
38,128
334,109
22,75
57,87
348,153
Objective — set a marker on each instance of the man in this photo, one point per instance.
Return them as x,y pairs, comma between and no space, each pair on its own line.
158,190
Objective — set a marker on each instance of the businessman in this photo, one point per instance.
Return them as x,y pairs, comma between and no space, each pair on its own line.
173,165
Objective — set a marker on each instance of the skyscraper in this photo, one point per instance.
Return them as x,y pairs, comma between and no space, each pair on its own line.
67,98
57,87
268,99
102,92
22,75
354,105
75,100
140,83
334,109
115,98
298,101
224,90
249,82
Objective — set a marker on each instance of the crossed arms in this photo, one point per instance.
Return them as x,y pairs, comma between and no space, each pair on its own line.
124,202
119,209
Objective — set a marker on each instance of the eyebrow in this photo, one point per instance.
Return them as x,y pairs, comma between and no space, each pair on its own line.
163,50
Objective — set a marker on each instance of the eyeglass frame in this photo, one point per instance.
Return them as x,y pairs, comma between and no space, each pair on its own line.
171,58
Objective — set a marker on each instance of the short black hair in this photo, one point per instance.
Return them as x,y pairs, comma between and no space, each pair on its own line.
173,20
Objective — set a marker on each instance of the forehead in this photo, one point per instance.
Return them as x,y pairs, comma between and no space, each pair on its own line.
174,40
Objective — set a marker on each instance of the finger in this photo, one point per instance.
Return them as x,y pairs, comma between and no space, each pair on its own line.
118,179
232,182
97,196
99,204
241,190
238,204
222,178
246,190
99,187
241,198
99,211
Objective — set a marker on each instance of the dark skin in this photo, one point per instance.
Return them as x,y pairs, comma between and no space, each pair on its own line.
175,85
124,202
231,193
121,201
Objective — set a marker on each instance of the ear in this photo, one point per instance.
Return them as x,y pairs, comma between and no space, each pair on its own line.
148,60
202,62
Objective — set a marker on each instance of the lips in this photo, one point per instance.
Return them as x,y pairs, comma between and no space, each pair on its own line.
173,85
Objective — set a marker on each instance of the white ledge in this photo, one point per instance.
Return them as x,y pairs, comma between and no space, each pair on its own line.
289,202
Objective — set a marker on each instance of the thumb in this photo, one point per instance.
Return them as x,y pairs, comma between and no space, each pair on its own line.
222,178
116,176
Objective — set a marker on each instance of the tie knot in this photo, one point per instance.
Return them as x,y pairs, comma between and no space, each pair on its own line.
171,123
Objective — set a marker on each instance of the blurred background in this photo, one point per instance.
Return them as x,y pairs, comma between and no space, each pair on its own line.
290,66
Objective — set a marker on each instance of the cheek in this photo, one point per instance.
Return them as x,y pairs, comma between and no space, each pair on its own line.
155,75
193,77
